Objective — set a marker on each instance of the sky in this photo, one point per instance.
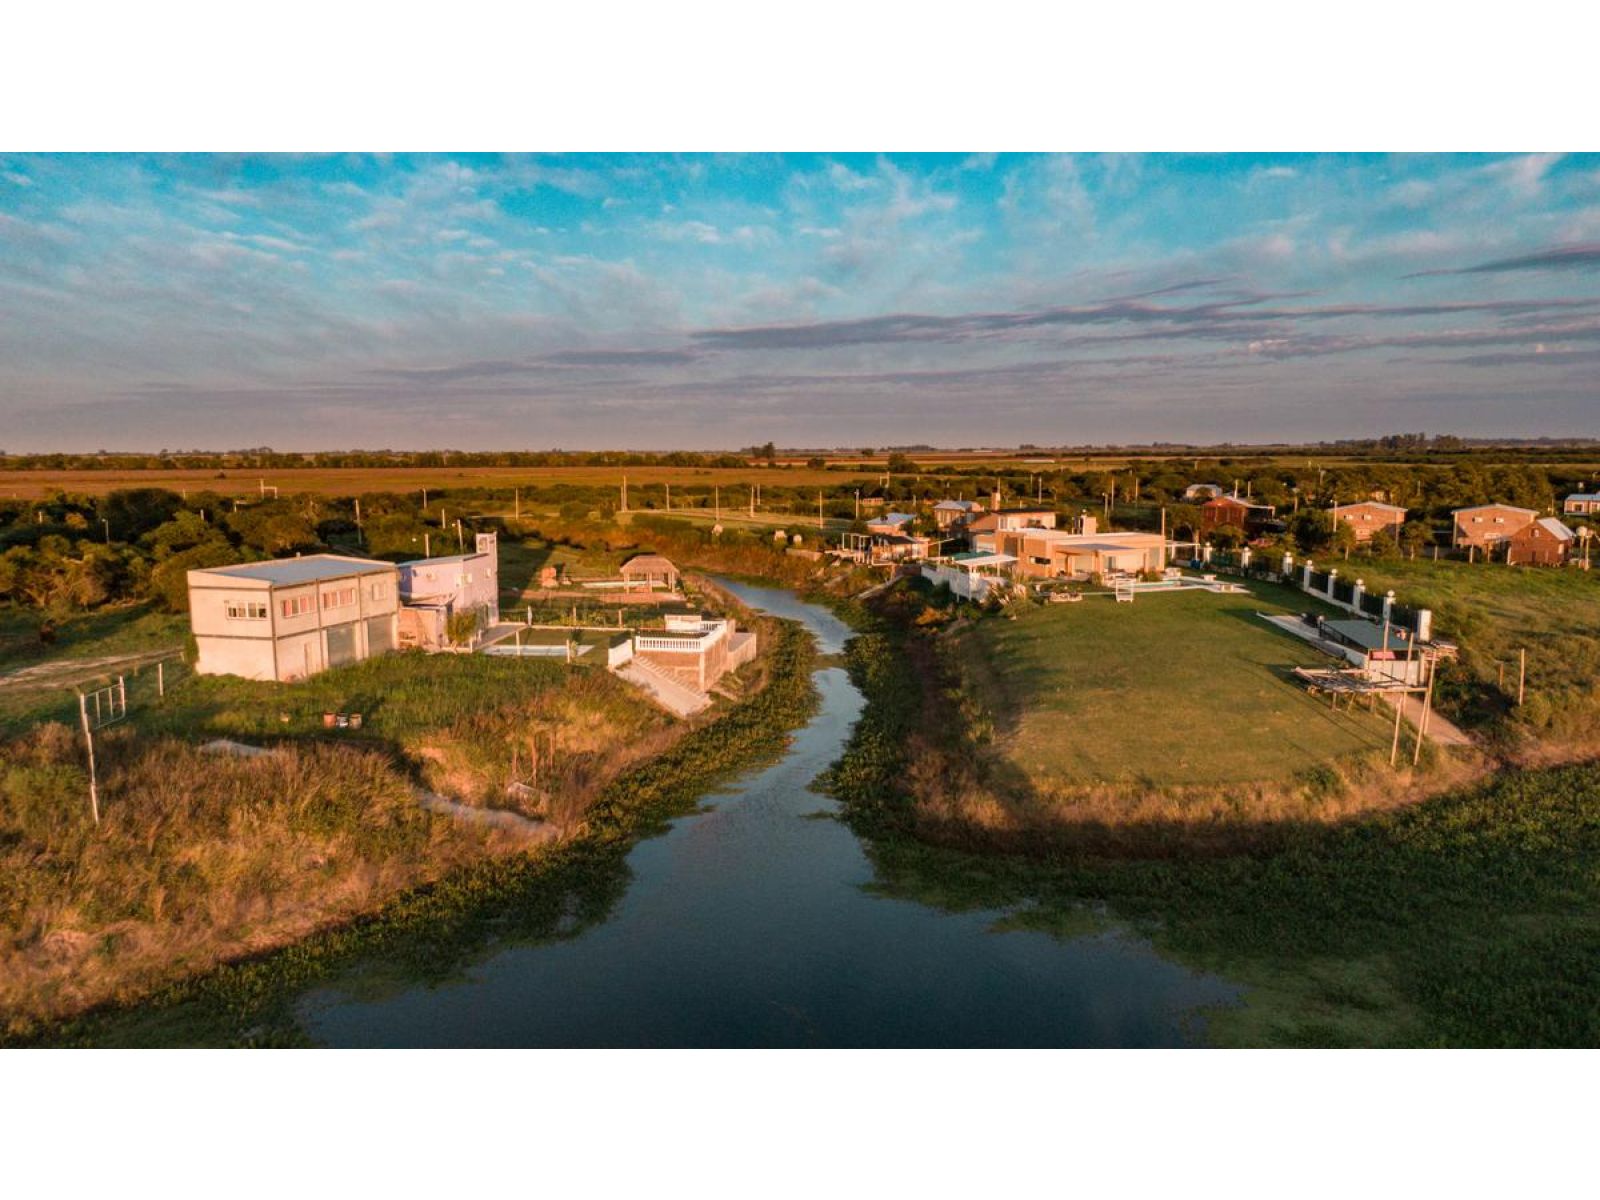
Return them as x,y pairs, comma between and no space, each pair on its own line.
707,302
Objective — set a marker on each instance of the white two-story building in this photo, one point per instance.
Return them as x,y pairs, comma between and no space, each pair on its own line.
293,617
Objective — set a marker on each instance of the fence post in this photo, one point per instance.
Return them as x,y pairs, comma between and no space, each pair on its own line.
161,678
1355,596
1244,559
1388,605
1333,578
1305,576
1288,564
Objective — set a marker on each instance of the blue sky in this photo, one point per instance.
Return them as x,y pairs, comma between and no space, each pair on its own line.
705,301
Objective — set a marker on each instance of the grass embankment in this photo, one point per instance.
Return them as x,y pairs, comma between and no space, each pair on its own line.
1493,611
430,930
1466,920
1165,726
203,857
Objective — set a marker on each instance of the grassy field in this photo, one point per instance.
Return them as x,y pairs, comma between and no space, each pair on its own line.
101,632
1466,919
1493,611
1177,688
643,482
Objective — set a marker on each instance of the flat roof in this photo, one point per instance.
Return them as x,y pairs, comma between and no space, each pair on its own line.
978,558
441,559
309,568
1367,635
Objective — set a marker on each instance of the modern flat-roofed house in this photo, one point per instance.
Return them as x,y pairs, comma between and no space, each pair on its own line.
1056,554
1581,504
1485,526
435,589
1012,518
955,512
1202,491
293,617
1544,542
1236,511
1367,517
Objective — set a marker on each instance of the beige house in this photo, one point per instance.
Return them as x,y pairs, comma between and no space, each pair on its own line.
1055,554
294,617
1368,516
1486,526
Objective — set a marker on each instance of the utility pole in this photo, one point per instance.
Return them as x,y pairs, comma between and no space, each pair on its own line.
461,547
858,506
624,493
669,497
716,492
819,509
1522,674
516,500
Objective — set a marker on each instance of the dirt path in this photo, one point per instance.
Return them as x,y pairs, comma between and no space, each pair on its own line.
64,672
1440,730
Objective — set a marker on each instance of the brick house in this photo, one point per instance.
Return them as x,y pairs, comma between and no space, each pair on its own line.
1486,526
1581,504
1545,542
1236,511
1369,516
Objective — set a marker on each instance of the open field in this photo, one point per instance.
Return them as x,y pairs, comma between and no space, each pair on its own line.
1177,688
354,481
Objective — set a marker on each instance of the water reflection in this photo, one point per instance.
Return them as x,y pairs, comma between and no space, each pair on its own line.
752,924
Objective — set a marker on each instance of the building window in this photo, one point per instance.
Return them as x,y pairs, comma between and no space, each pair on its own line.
246,610
379,591
297,606
339,598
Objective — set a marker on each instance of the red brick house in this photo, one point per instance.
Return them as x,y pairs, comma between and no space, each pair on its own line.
1369,516
1486,526
1545,542
1233,510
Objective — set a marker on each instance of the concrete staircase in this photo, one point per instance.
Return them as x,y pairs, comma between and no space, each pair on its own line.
664,689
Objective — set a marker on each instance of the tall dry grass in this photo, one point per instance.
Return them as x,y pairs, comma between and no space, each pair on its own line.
198,858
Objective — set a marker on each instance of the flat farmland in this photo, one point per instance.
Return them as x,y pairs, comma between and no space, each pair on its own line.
355,481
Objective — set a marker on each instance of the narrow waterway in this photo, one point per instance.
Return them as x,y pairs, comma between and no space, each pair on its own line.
751,923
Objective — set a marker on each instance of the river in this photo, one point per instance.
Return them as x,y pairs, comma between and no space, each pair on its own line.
752,923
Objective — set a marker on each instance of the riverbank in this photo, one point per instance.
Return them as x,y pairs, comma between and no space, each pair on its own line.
1466,919
433,928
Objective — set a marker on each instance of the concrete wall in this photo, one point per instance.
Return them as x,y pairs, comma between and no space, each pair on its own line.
288,643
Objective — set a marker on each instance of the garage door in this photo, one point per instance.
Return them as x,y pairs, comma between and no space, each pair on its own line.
380,635
341,644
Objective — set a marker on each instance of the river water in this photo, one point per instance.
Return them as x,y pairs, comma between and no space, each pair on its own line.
751,923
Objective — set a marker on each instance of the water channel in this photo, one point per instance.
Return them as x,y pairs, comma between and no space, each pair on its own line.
752,923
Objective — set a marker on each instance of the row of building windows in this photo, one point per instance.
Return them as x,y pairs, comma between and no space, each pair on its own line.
299,606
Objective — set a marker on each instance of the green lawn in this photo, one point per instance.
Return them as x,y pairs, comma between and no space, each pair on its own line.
1185,687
